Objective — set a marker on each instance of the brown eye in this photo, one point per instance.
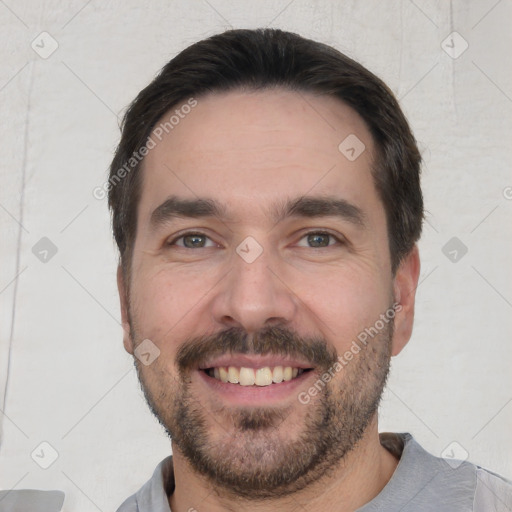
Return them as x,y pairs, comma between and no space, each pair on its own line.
193,241
318,239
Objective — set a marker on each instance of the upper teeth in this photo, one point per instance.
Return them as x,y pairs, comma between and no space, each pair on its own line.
251,376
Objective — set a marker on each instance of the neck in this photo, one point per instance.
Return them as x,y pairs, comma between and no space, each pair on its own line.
356,480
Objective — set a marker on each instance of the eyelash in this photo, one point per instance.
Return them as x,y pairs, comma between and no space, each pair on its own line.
192,233
188,233
337,239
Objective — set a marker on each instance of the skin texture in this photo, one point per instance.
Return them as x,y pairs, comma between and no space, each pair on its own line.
251,152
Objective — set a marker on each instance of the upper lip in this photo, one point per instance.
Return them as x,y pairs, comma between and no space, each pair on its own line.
254,361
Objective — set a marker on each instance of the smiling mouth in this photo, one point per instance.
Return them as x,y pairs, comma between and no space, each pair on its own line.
266,376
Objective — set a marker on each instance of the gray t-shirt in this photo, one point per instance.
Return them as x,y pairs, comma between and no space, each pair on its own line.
420,483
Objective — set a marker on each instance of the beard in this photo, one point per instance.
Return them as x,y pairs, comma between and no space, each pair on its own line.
252,455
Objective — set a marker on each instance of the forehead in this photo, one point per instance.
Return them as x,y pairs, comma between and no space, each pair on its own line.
257,147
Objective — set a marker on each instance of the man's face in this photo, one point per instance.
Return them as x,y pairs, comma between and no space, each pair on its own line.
260,246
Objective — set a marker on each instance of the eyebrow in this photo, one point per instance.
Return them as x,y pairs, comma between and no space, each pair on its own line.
174,207
306,206
321,206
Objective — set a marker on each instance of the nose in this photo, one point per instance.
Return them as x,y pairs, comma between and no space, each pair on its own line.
254,295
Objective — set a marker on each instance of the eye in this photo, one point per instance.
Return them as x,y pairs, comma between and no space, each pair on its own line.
318,239
193,241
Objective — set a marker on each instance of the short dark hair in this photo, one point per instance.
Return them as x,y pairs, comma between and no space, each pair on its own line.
268,58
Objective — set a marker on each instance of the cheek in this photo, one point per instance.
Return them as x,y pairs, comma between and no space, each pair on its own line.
164,305
346,303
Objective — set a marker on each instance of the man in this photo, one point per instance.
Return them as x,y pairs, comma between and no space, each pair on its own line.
266,203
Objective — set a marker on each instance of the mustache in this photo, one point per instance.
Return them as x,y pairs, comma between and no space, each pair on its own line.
275,340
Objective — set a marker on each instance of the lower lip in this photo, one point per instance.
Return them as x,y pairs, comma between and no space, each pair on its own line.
236,394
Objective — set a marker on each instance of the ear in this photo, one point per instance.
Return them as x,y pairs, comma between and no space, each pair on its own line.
405,284
123,298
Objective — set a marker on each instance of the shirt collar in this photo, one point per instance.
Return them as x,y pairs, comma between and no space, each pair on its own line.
418,476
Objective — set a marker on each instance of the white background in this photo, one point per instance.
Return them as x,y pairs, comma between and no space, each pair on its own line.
64,375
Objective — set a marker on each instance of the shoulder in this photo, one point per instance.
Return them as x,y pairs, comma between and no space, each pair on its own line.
153,495
493,492
129,505
425,482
